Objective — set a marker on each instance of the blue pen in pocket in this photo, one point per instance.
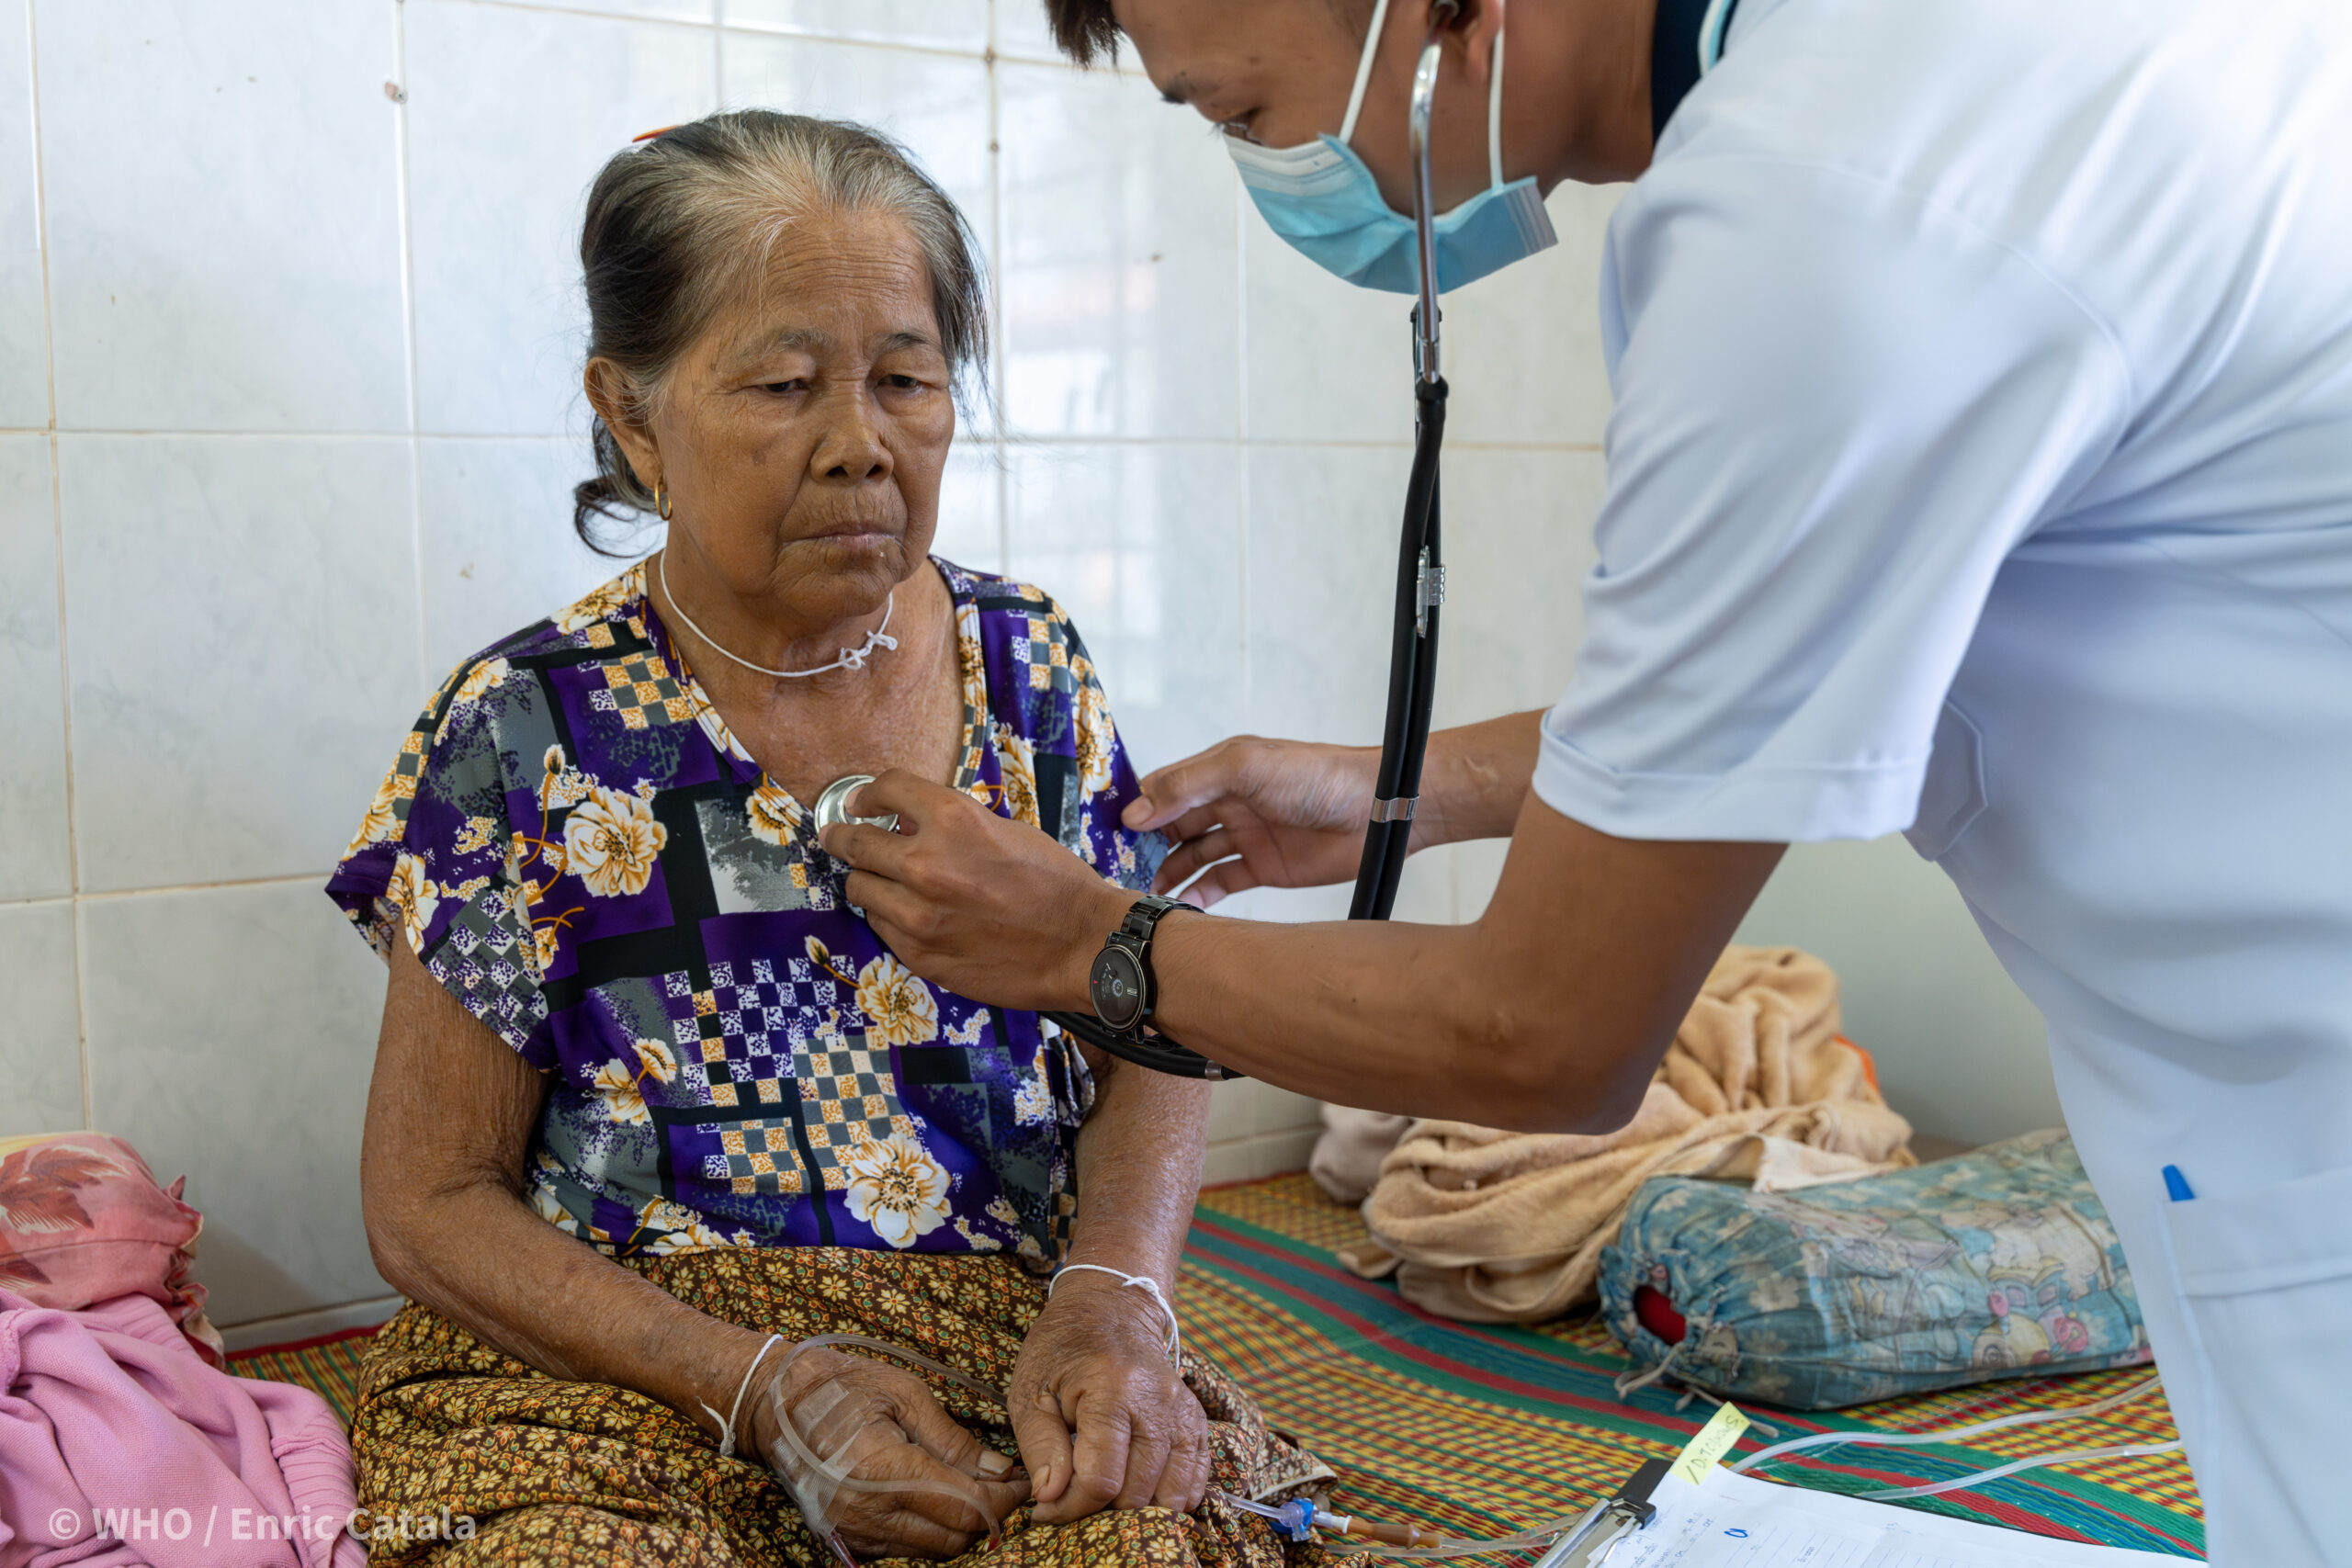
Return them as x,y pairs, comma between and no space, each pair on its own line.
2177,1184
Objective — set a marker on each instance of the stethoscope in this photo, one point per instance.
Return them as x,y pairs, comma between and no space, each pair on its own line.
1412,658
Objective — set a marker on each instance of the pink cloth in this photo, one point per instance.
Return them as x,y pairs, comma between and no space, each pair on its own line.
85,1221
114,1435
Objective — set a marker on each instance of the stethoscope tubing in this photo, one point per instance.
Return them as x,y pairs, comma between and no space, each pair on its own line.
1412,652
1412,669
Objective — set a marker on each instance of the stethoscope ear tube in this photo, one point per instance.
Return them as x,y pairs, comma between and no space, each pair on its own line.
1412,689
1412,669
1157,1052
1412,647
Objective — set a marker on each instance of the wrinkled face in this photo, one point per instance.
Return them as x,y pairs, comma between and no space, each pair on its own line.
801,438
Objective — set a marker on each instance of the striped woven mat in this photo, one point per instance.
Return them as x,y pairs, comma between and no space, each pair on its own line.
1482,1430
1485,1430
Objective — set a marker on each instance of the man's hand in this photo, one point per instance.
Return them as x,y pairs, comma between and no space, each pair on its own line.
1104,1420
1549,1013
918,1482
978,903
1258,813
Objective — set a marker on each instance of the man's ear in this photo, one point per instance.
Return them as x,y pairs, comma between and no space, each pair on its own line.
1477,24
612,394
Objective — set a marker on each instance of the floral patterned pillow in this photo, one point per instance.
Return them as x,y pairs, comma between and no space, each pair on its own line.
1997,1263
83,1220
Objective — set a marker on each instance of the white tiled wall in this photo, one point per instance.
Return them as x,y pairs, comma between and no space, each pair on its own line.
289,413
221,215
23,317
290,339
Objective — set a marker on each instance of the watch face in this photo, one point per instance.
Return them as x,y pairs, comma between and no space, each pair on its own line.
1115,986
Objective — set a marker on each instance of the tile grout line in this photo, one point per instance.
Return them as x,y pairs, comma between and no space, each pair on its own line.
1242,449
1308,444
401,188
1010,438
852,40
112,895
105,433
57,540
750,29
363,1302
996,301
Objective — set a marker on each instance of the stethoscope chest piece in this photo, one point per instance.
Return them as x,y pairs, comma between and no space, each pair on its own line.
832,806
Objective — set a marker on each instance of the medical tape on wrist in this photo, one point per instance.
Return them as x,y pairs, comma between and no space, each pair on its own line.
823,1438
1144,1282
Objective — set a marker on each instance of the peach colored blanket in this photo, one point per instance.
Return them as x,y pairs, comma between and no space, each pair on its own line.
1758,1087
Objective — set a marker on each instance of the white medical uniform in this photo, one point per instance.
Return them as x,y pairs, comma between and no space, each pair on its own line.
1982,467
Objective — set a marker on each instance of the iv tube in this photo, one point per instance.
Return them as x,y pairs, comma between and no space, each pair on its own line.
1401,1541
1954,1434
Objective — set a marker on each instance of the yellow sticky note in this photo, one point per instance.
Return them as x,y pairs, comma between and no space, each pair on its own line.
1709,1443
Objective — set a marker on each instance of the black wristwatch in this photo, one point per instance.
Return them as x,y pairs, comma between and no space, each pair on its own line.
1121,984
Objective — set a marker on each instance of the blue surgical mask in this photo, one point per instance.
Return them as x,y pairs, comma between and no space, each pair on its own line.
1320,197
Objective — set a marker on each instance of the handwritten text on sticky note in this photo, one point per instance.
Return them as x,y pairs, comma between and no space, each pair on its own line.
1709,1443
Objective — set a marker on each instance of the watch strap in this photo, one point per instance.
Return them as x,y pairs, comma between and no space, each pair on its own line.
1134,934
1146,914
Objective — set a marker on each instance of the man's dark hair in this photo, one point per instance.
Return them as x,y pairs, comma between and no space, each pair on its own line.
1085,29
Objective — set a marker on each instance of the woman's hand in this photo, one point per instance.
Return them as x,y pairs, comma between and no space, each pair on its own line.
978,903
927,1480
1255,812
1103,1419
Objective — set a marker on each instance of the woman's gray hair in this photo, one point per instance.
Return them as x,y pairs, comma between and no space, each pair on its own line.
679,222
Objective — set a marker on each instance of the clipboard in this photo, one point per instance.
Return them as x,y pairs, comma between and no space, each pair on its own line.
1738,1521
1608,1523
1691,1513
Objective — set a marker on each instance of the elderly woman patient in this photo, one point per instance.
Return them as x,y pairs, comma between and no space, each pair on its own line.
653,1105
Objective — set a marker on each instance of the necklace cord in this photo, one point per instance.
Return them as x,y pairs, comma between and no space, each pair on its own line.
851,659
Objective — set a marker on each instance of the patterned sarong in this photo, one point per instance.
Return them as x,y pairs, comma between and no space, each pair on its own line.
564,1474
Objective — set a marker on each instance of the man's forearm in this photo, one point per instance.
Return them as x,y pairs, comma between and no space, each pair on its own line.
1548,1014
1477,777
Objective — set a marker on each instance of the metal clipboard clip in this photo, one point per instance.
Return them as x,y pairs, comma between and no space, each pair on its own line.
1608,1522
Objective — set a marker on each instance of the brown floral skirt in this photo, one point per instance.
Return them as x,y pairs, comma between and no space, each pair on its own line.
556,1474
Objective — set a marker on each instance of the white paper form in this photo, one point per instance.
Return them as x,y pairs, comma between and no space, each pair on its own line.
1737,1522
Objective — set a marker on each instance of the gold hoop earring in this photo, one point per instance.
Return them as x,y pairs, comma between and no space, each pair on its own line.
660,501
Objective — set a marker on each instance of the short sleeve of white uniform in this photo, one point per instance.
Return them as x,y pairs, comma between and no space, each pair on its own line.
1839,406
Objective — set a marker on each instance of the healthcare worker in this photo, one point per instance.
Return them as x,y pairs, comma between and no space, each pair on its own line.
1981,468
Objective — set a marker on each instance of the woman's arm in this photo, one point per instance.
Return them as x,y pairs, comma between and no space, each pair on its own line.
451,1114
1102,1417
1139,1161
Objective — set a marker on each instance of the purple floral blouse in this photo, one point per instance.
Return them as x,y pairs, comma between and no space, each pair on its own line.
582,854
